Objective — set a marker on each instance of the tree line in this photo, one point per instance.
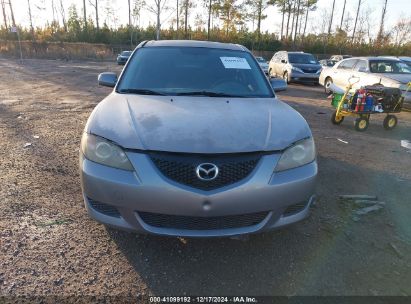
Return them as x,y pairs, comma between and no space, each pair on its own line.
236,21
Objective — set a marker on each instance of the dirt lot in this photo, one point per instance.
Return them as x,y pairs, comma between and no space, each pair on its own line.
48,245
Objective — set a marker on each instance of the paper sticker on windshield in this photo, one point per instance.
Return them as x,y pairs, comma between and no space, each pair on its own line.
235,63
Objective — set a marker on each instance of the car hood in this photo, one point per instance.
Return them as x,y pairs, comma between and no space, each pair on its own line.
402,78
197,124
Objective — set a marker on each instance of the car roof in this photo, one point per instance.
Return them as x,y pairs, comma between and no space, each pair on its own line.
195,43
297,53
403,58
373,58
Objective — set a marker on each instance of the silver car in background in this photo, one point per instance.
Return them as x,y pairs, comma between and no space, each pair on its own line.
123,57
202,149
263,64
389,72
295,66
337,58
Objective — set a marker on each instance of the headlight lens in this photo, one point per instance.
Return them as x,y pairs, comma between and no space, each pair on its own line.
102,151
297,69
299,154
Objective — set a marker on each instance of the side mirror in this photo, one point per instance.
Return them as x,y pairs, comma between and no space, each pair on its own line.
362,70
283,61
278,84
107,79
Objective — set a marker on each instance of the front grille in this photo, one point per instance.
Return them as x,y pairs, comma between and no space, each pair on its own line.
202,223
293,209
104,208
311,71
181,168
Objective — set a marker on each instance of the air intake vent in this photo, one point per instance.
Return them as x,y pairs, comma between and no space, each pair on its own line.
293,209
202,223
104,208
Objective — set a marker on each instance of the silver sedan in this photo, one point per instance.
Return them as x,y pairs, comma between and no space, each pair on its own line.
202,149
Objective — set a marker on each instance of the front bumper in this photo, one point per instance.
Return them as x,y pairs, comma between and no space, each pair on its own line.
298,76
148,191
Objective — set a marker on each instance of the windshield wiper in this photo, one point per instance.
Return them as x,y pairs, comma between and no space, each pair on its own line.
140,91
206,93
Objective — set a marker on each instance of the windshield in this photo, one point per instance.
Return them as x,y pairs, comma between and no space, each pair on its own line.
194,71
302,58
126,53
261,59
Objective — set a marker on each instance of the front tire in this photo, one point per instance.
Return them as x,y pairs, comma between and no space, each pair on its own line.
286,77
337,120
390,122
270,74
327,84
361,124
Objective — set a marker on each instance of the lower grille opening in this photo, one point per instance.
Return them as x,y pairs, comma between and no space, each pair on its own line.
104,208
202,223
293,209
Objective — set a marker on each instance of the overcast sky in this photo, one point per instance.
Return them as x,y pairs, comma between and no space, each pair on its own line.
396,9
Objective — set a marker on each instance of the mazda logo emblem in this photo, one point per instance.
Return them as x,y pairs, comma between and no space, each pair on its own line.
207,171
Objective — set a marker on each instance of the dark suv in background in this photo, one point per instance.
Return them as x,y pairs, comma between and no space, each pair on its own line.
295,66
123,57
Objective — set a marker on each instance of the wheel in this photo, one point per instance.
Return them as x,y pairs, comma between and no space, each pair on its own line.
361,124
270,73
336,120
286,78
327,84
390,121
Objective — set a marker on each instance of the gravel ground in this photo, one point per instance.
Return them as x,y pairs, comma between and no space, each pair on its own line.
49,246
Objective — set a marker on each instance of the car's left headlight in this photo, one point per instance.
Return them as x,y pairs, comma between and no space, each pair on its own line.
104,152
300,153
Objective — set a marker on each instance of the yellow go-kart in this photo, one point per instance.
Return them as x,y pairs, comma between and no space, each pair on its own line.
347,105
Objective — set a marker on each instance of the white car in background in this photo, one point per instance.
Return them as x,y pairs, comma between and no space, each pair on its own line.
388,72
263,64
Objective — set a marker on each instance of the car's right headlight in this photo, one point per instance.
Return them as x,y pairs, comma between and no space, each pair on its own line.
297,69
297,155
105,152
